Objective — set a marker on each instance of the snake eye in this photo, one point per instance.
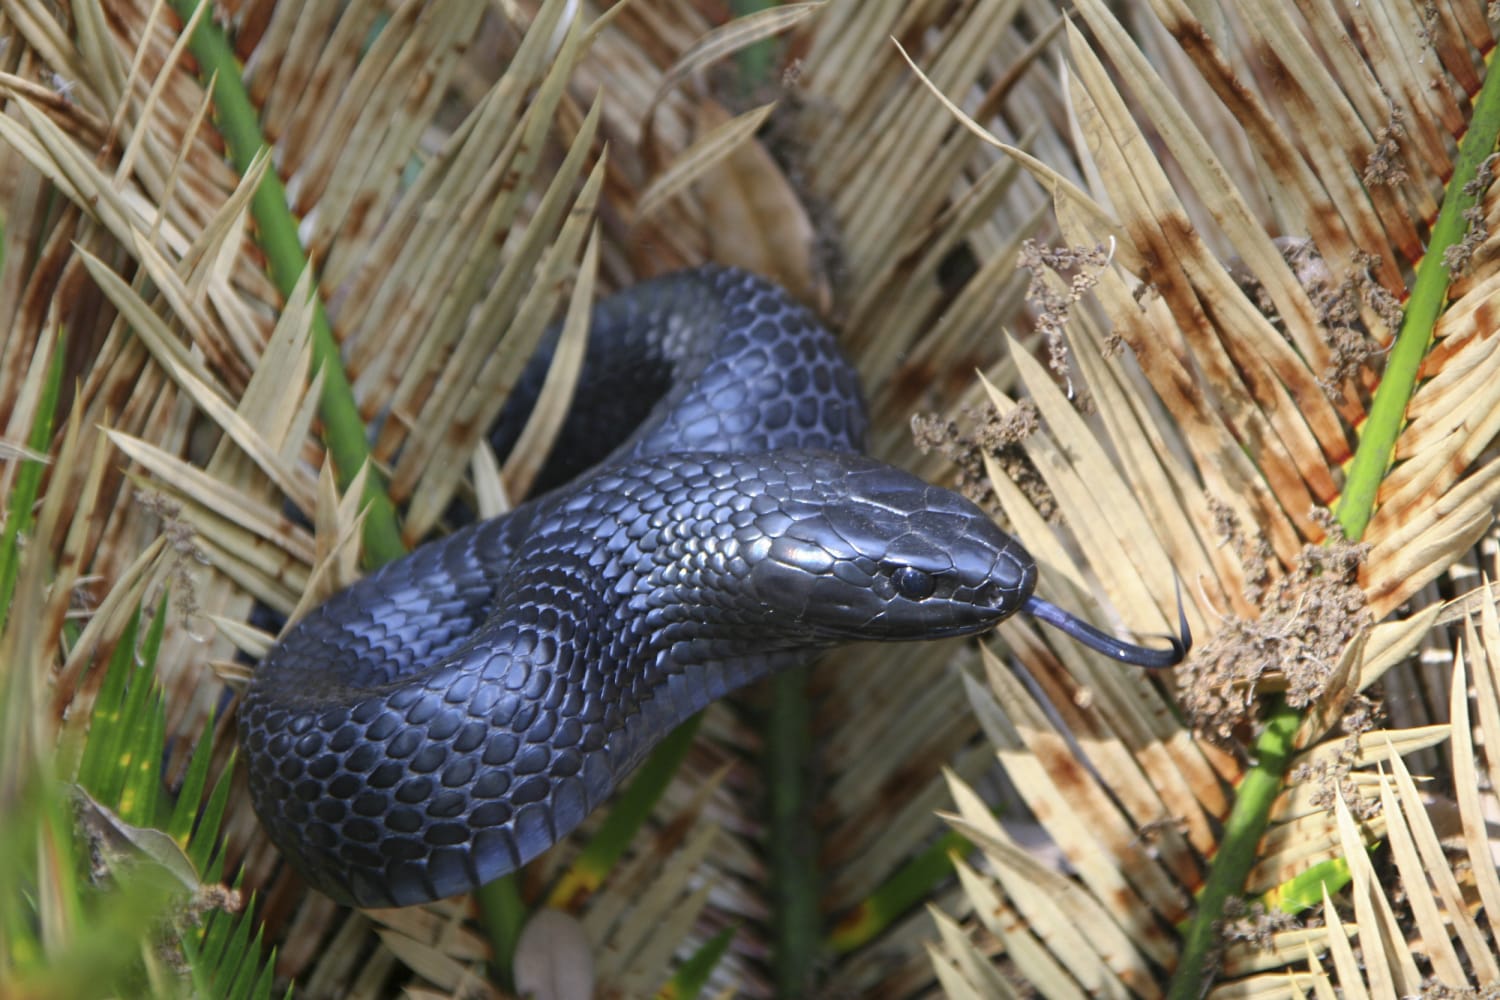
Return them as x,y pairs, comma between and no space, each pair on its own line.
913,584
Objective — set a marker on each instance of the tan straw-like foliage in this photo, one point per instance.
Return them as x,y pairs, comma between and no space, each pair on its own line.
1227,201
1261,182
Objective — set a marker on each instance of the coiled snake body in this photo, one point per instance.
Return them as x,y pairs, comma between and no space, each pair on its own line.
457,712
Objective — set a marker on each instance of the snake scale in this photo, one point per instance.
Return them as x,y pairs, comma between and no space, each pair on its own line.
455,713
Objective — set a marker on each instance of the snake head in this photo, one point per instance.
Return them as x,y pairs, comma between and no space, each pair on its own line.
855,549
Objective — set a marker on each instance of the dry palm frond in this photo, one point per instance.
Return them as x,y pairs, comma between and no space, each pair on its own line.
1249,380
461,173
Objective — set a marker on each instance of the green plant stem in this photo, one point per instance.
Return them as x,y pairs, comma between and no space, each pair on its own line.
791,847
755,61
913,883
1237,849
343,429
502,912
690,978
1429,293
1372,458
28,482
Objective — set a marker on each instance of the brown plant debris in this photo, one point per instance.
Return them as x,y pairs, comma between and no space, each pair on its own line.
1384,165
1427,31
1307,618
1457,257
182,539
1437,991
1079,269
985,432
1250,920
1255,554
194,910
1338,302
1331,775
1339,309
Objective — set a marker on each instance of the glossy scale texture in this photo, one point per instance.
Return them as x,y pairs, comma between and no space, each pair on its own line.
457,712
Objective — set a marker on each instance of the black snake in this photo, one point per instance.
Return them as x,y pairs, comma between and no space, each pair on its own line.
457,712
